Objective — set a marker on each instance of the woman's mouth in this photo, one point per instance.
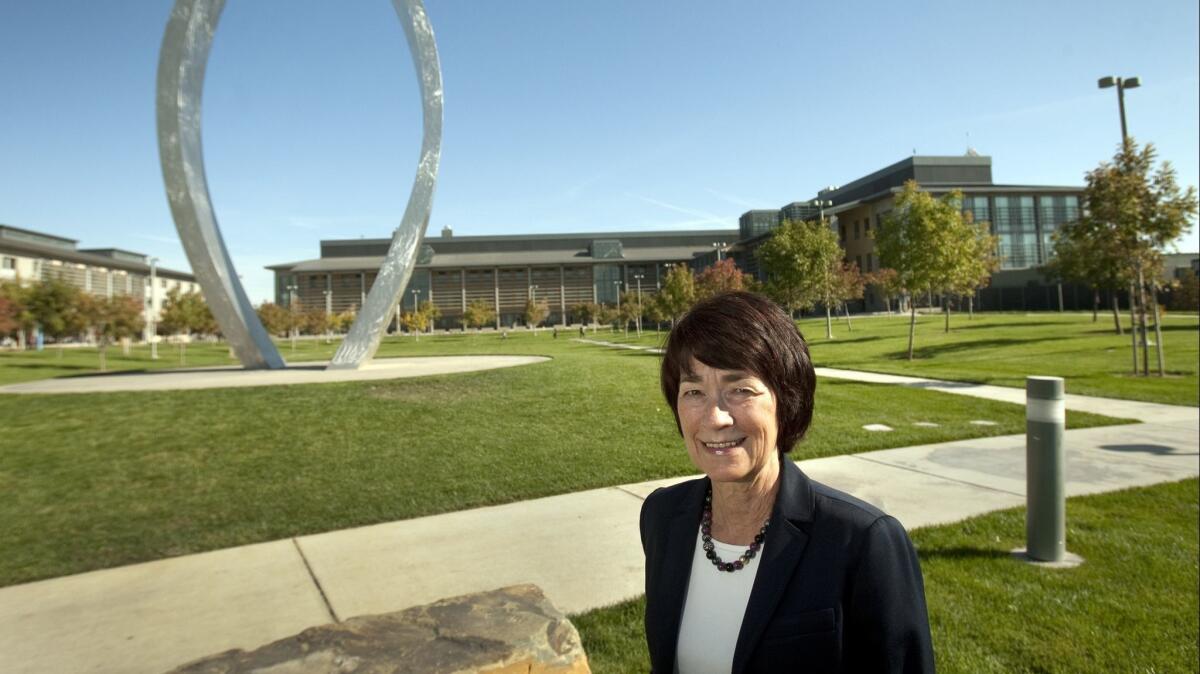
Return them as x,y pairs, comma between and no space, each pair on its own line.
722,447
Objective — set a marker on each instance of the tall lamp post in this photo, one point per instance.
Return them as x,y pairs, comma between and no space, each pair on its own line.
292,312
328,311
638,278
153,319
821,205
1123,83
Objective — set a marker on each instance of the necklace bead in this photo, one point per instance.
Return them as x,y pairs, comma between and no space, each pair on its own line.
709,548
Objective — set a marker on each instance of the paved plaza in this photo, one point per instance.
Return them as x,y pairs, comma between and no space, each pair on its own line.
583,548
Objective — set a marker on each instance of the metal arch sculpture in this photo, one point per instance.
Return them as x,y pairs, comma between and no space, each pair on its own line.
182,61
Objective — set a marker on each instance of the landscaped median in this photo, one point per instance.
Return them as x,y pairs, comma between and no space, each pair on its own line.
1133,605
99,480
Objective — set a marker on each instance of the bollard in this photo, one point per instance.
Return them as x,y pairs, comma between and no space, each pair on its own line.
1045,515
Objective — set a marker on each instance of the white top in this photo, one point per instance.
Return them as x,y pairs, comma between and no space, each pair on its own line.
713,611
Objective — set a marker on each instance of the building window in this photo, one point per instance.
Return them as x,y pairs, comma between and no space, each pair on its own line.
856,226
8,263
842,233
869,262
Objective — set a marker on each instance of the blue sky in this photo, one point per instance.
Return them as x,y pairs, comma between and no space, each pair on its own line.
567,116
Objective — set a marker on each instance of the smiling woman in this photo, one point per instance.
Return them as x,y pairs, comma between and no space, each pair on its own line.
755,567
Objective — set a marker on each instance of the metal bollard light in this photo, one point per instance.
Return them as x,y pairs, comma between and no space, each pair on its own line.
1045,515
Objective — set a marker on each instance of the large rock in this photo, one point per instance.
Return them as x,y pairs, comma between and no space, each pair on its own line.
510,630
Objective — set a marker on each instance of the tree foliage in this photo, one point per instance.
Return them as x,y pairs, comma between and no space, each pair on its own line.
535,312
53,305
479,313
111,319
933,246
678,292
274,318
801,260
722,277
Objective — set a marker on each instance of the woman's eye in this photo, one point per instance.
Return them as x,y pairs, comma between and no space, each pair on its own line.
690,393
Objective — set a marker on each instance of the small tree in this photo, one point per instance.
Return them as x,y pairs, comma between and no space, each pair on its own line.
888,283
629,310
535,312
607,315
15,317
1185,293
274,318
722,277
415,322
479,313
1082,254
678,292
183,313
932,246
111,319
585,313
848,285
652,306
54,305
802,261
1142,211
971,259
432,314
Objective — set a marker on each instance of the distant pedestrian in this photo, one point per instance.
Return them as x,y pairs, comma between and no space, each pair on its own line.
504,334
582,330
556,332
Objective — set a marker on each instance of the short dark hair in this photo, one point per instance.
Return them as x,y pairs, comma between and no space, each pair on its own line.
747,332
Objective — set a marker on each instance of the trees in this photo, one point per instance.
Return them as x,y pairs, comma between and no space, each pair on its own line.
678,292
478,314
722,277
629,309
803,262
15,316
431,312
1084,254
932,246
184,313
274,318
535,312
1139,211
110,319
586,313
53,305
415,322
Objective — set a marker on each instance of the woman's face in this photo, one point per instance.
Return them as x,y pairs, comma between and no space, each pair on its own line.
728,422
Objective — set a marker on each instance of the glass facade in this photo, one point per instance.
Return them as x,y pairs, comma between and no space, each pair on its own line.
607,278
1025,224
1054,211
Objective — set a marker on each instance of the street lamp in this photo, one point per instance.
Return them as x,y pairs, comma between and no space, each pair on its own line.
328,311
153,321
638,278
1121,84
292,311
821,205
720,247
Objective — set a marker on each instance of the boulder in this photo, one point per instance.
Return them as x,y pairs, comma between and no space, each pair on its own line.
506,631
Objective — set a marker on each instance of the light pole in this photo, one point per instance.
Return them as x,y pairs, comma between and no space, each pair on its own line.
1121,83
153,321
292,312
328,311
533,308
638,278
416,293
720,248
821,205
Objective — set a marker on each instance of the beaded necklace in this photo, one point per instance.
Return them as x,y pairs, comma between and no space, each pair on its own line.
710,549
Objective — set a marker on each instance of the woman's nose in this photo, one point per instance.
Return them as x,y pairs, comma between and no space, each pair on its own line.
717,414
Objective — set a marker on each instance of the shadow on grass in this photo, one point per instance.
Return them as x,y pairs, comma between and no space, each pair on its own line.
934,350
1159,450
961,552
983,324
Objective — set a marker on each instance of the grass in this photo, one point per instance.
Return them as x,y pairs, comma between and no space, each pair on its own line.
1131,607
1003,349
100,480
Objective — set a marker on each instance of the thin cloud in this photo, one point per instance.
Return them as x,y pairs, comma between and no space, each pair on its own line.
735,200
704,216
157,239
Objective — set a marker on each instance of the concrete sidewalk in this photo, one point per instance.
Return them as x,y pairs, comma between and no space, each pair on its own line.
582,548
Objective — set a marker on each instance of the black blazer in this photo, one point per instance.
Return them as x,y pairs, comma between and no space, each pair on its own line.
839,587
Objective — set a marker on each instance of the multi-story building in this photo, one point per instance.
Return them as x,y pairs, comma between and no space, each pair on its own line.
27,256
1024,217
505,271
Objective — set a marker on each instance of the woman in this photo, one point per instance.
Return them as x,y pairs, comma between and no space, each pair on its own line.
755,567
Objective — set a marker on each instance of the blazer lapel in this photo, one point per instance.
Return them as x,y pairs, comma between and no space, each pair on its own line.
782,551
677,567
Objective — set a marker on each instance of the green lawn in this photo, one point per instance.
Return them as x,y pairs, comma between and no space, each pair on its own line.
1003,349
1131,607
99,480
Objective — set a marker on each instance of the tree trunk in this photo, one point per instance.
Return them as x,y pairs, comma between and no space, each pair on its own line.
183,353
1142,323
1158,345
21,339
103,356
828,324
971,307
1133,326
846,308
912,327
946,310
1095,304
1116,309
1060,300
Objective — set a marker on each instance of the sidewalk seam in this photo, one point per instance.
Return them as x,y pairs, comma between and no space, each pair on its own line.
636,496
940,477
328,606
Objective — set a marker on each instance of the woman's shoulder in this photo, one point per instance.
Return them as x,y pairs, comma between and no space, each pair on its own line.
846,509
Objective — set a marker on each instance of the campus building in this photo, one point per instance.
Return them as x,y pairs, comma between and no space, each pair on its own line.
27,256
569,269
1024,217
564,270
